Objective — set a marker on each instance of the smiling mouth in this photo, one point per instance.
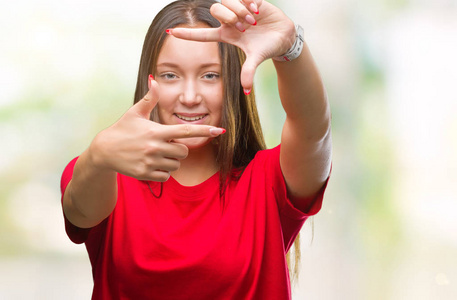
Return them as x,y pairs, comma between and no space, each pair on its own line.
190,119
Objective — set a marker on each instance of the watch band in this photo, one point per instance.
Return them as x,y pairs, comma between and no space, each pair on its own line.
296,48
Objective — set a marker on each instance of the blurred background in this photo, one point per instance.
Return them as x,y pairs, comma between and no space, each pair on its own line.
388,226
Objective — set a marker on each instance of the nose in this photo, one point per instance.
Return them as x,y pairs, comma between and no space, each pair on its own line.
190,95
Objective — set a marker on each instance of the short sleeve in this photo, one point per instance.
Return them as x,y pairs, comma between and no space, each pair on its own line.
284,200
292,218
77,235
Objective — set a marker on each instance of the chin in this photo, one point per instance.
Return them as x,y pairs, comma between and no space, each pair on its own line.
194,143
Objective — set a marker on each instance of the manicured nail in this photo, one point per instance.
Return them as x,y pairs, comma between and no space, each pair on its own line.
168,31
247,91
250,19
239,26
254,8
151,78
217,131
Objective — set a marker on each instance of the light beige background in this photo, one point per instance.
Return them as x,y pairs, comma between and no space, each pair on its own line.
388,226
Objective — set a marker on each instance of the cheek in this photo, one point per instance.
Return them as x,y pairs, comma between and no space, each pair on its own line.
166,100
217,99
162,112
167,97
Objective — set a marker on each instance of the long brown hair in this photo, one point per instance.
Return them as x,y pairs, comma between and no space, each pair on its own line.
244,137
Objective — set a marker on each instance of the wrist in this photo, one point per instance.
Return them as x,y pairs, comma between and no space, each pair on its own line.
297,47
94,156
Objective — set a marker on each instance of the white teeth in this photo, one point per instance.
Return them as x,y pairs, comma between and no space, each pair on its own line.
190,118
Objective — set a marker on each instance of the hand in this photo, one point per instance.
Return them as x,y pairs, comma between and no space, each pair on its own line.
138,147
272,35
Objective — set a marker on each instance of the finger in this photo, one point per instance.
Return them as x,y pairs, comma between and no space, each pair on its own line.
248,71
233,13
166,165
239,8
223,14
151,173
145,106
196,34
172,132
253,5
175,151
158,175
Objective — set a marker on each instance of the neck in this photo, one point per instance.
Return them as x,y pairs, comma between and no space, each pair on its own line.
198,166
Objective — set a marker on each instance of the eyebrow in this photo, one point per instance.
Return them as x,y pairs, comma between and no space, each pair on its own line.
173,65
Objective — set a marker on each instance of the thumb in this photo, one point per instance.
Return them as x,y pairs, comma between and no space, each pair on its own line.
145,106
248,72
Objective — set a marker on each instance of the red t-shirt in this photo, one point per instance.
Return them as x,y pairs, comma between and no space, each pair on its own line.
183,245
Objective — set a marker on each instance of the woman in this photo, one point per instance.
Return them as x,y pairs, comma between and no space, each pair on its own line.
178,199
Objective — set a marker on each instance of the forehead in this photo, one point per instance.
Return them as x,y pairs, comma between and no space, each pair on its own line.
186,52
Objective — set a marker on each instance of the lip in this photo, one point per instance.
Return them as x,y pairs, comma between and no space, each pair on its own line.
190,116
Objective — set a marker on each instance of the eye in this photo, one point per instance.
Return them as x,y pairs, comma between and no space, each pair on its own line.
211,76
168,76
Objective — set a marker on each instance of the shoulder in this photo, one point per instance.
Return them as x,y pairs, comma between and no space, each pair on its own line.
267,159
262,160
267,155
264,167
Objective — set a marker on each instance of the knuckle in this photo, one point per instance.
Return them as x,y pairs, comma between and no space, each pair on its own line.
152,148
151,132
184,151
214,8
233,19
180,151
160,178
175,166
186,130
139,172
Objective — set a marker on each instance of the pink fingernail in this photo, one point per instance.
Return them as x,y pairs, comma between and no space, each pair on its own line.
217,131
250,19
254,8
168,31
247,91
240,26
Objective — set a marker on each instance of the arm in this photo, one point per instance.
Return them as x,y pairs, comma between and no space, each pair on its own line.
91,194
134,146
306,140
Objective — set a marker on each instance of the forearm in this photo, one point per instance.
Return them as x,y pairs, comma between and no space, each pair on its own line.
306,139
91,195
303,96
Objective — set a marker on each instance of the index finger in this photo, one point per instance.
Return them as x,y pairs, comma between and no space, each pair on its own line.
196,34
189,131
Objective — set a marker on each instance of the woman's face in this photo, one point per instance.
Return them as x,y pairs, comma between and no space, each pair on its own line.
191,90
